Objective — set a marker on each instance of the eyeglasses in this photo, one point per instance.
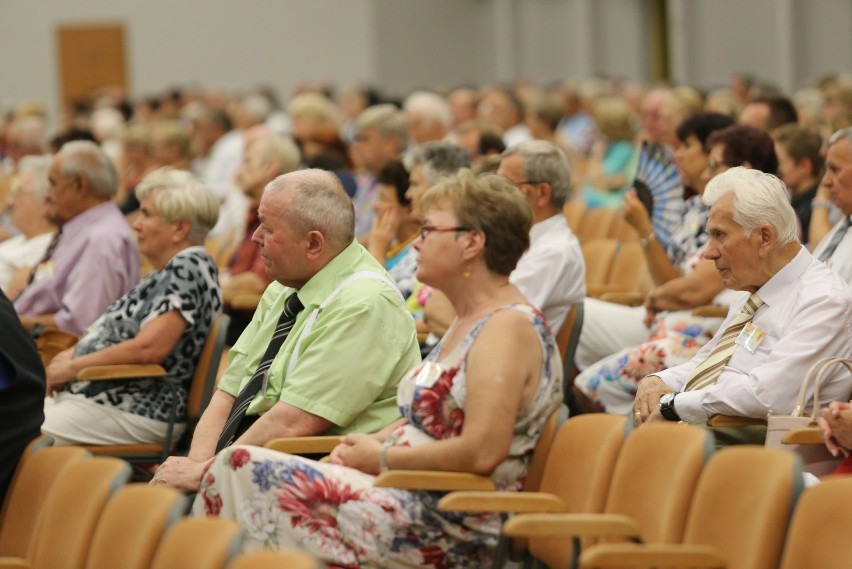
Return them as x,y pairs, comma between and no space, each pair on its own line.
427,229
526,183
715,167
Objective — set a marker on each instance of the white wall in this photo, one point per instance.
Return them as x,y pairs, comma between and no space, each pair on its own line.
400,45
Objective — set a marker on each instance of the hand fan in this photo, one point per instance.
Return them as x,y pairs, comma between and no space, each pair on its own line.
659,188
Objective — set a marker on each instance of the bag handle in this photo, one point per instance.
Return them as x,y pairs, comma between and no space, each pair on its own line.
817,374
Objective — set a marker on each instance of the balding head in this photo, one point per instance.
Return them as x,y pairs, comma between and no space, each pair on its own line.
306,221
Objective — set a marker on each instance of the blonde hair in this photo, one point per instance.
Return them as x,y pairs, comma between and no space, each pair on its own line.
180,196
491,204
613,118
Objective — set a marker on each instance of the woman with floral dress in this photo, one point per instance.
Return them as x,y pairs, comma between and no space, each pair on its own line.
477,404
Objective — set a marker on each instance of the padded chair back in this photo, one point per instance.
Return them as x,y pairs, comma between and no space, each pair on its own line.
629,270
198,543
819,531
132,526
574,212
36,474
204,378
655,478
622,230
268,559
542,450
71,511
596,223
567,340
742,505
599,255
38,443
579,470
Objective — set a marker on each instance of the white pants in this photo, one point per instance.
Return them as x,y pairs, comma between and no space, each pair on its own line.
76,420
608,328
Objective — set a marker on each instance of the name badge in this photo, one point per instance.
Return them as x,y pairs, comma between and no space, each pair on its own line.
750,337
44,270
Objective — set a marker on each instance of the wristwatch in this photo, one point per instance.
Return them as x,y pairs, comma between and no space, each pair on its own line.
644,241
667,409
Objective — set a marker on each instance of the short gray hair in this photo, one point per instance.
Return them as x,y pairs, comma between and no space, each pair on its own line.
180,196
83,157
39,166
843,133
387,120
439,159
430,106
545,162
759,199
319,203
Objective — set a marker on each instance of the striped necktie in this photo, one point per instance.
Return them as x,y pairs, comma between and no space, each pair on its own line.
835,240
707,372
48,253
292,307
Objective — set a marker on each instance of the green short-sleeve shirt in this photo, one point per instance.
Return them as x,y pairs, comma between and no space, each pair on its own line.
349,364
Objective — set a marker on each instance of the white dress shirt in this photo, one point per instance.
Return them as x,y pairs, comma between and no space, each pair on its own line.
807,316
552,272
18,252
841,260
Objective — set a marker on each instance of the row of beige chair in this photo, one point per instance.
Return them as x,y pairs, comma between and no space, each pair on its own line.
67,510
600,223
615,267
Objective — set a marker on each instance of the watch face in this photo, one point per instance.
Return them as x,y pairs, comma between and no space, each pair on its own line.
666,399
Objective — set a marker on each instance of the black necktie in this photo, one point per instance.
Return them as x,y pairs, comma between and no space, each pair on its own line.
238,412
835,240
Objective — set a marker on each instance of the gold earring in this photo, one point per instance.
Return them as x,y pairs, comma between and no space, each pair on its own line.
466,273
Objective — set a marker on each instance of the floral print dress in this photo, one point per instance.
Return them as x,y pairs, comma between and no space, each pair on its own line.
285,501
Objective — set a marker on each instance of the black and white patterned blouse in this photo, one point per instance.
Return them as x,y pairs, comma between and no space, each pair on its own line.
690,236
188,283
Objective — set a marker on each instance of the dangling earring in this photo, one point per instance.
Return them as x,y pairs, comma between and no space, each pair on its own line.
466,273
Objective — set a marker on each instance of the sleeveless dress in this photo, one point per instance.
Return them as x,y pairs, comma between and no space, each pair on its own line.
284,501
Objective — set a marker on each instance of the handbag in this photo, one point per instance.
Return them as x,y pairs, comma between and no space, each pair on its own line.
816,458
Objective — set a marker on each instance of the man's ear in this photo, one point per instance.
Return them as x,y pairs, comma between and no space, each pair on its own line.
768,238
545,194
315,245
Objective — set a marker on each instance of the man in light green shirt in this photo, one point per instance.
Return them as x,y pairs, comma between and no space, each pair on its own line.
339,367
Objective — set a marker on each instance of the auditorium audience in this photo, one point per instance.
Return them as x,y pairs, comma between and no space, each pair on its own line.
499,360
350,337
836,247
800,167
610,166
27,213
380,136
600,336
82,271
428,117
164,320
675,332
788,322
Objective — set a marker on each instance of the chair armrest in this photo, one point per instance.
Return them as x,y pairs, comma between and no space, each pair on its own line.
596,290
579,525
429,480
710,311
732,421
304,445
626,298
812,436
13,563
639,555
504,502
121,371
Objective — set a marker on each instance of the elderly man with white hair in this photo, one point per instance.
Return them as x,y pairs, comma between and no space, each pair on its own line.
428,117
94,258
793,311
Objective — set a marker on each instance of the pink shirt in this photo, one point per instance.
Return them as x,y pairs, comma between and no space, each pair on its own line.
95,262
